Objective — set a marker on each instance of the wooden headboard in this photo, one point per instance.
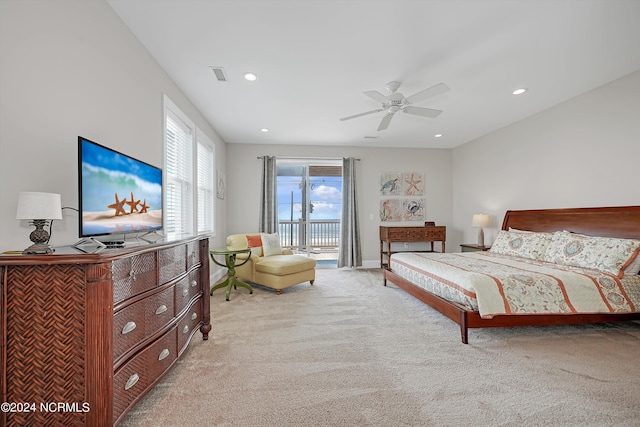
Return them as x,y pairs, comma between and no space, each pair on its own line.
617,221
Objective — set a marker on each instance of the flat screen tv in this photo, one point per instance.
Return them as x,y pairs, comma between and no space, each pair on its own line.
118,194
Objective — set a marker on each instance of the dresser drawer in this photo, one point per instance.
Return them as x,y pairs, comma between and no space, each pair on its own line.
162,354
173,262
186,289
133,275
407,234
129,382
193,254
188,323
138,321
436,235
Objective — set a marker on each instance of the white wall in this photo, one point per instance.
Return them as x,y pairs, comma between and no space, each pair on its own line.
584,152
70,68
243,184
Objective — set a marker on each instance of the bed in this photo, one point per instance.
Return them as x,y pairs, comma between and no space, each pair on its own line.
541,282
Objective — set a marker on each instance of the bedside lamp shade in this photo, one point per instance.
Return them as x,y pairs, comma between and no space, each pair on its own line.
39,209
480,220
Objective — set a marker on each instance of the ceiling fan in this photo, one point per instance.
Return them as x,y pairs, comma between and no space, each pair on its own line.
396,101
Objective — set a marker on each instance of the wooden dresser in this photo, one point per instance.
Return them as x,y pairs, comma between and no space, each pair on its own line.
391,235
85,336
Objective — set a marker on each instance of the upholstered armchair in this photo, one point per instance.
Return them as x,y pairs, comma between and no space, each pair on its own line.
270,265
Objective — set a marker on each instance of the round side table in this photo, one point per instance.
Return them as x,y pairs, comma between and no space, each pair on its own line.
230,264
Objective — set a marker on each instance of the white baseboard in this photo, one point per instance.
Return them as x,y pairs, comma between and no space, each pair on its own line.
215,276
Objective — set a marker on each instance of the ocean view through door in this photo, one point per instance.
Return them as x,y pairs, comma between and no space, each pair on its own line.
309,194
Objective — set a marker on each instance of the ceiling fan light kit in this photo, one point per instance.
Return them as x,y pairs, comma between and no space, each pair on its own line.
396,101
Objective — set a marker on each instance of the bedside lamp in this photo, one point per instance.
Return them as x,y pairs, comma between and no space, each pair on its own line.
480,220
39,208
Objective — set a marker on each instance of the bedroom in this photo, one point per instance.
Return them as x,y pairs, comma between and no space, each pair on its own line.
582,152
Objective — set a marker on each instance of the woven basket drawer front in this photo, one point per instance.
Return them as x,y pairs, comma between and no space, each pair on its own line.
188,323
173,262
159,311
186,289
128,328
133,275
129,382
193,254
137,321
162,354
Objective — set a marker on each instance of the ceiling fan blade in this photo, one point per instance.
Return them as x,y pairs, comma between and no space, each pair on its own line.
427,93
374,94
421,111
362,114
384,123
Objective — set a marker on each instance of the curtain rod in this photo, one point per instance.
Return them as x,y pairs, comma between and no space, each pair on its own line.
307,158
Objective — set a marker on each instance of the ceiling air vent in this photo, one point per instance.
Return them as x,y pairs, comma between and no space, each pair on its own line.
219,72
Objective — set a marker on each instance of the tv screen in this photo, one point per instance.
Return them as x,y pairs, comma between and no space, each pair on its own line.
118,194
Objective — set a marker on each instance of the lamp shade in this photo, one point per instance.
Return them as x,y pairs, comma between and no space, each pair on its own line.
480,220
34,205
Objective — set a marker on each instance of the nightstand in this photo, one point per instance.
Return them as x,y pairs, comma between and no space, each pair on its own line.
472,247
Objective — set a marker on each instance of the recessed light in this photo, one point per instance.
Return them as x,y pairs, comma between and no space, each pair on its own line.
437,135
250,77
264,130
520,91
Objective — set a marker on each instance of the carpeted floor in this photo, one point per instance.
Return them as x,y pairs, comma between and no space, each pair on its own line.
349,352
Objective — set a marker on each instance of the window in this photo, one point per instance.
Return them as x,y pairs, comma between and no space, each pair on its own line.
189,175
205,183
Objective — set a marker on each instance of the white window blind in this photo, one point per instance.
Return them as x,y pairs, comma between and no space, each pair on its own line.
179,174
205,184
189,175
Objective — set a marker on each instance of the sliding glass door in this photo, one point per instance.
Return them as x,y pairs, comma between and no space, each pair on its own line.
309,205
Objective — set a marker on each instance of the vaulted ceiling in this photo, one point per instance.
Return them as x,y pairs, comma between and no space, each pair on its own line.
315,58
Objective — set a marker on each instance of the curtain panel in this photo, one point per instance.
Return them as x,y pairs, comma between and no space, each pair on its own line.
349,252
268,202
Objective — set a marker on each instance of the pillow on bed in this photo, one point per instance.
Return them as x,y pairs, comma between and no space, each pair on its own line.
607,254
634,266
524,244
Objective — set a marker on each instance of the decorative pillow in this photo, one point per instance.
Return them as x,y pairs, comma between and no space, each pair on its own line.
271,244
254,242
634,266
521,244
607,254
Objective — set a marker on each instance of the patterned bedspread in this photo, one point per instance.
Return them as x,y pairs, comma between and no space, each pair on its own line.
496,284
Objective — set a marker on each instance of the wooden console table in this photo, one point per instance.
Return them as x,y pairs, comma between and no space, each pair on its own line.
409,234
96,331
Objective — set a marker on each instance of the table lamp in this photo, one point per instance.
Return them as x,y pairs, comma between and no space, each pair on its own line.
39,209
480,220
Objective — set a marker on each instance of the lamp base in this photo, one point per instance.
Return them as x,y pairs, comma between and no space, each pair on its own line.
481,237
40,239
38,249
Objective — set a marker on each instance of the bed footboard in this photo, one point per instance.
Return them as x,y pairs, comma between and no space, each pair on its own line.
471,319
453,311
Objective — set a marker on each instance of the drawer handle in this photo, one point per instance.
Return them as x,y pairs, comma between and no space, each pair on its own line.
185,329
194,316
130,326
185,292
161,309
163,354
194,283
132,274
133,379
